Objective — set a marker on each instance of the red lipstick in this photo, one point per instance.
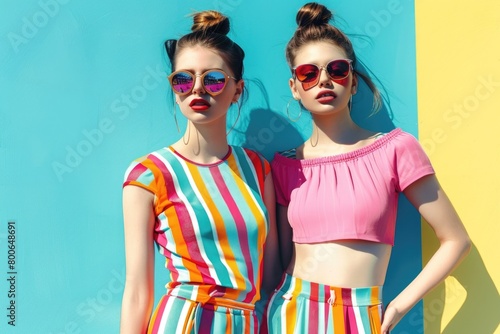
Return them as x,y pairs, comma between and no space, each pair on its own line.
199,105
326,96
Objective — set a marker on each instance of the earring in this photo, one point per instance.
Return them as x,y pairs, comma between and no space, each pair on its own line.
186,141
350,104
237,118
175,119
288,111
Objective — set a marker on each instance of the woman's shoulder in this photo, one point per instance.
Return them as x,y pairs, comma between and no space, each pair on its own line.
394,142
152,158
378,141
396,138
251,153
401,139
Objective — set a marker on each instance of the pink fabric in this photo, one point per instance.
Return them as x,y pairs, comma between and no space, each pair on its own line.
352,195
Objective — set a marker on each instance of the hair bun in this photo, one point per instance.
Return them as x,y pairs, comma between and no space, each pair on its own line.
210,21
313,14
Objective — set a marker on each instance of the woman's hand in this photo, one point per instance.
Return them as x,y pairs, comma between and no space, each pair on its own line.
391,318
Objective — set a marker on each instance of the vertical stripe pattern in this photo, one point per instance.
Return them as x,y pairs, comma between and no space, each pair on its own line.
176,315
211,225
299,306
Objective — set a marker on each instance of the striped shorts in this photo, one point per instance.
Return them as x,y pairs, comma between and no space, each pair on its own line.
177,315
298,306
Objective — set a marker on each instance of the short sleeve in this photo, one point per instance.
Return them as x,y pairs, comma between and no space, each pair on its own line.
411,161
267,167
260,165
139,174
280,178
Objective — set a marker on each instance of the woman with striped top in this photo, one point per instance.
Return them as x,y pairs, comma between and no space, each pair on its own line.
208,206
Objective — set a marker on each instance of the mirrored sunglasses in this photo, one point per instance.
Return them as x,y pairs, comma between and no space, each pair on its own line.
213,81
309,74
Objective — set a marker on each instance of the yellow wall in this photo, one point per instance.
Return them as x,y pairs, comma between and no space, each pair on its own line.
458,81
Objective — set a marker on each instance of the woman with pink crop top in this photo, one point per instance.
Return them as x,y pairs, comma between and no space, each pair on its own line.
337,199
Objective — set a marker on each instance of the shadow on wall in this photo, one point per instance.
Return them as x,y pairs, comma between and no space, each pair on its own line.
266,131
469,282
269,132
362,105
405,264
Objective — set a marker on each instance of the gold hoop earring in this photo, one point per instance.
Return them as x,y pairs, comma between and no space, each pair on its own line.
175,119
315,130
288,111
184,141
236,121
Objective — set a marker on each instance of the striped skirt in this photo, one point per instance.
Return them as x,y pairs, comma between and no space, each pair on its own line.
298,306
177,315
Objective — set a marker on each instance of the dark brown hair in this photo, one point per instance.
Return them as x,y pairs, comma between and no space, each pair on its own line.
209,30
313,26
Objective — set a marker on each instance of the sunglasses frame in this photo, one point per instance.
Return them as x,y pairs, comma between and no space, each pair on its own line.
316,81
202,77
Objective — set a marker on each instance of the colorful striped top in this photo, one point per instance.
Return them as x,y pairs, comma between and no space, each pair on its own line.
211,221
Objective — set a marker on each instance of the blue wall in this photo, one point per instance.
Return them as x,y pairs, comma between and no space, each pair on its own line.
83,91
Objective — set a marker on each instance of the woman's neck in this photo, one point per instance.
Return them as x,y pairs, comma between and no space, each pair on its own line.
334,129
334,134
203,143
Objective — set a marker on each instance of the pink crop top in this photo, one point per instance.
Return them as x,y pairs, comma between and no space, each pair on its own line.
352,195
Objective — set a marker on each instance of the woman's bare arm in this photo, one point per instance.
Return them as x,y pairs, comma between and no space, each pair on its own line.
272,268
431,201
138,296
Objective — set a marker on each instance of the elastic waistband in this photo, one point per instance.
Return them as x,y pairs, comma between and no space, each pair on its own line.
292,287
198,301
212,299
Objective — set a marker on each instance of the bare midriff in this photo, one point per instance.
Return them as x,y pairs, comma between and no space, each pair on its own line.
345,263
